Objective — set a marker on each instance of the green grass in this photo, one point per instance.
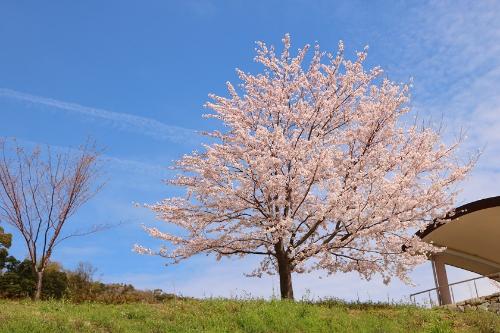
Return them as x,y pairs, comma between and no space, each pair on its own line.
236,316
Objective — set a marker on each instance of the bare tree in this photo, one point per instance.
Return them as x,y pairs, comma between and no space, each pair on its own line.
40,190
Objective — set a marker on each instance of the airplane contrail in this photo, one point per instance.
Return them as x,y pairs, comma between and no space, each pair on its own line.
133,123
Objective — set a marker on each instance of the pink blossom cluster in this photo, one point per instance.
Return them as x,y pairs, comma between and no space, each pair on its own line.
316,170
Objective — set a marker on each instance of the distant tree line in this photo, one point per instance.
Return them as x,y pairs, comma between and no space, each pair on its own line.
18,280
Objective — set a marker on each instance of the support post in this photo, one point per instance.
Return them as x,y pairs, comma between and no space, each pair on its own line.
441,280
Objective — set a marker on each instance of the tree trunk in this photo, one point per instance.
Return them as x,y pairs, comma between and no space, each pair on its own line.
285,272
39,280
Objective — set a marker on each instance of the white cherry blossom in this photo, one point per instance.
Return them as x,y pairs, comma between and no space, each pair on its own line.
315,171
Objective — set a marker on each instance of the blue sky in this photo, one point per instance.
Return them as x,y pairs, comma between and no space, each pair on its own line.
134,75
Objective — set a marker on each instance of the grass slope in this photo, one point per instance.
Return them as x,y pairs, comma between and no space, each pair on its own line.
236,316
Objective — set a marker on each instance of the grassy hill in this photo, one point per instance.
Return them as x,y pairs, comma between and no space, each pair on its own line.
236,316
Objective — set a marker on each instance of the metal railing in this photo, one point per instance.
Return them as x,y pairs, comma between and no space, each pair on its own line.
436,289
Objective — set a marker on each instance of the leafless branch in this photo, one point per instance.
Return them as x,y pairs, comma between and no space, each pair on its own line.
41,189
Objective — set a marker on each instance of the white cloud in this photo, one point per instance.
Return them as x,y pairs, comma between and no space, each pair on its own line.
201,8
83,251
146,126
205,277
116,163
158,171
452,48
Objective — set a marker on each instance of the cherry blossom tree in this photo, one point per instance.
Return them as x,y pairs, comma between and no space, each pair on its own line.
317,170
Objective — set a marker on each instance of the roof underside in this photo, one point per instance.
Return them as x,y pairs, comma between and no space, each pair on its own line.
471,238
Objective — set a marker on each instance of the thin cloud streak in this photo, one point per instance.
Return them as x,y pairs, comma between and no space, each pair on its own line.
146,126
111,162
